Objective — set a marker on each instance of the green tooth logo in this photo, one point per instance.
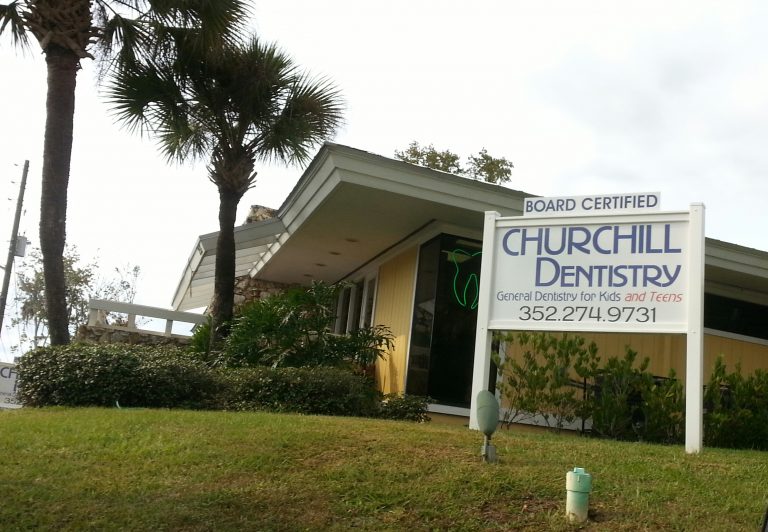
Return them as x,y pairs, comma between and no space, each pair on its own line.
472,283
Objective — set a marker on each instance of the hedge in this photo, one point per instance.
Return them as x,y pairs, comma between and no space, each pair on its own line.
318,390
110,375
148,376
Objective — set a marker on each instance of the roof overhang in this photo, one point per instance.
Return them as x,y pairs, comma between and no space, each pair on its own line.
195,289
736,271
347,208
350,206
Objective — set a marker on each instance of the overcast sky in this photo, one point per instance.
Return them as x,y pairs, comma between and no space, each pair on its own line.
668,96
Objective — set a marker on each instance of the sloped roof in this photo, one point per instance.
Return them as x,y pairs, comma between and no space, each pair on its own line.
350,206
195,289
347,207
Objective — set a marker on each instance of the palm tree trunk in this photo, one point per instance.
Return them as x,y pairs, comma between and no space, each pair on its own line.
62,68
224,281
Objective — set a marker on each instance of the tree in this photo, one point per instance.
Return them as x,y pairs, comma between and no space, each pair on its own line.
234,105
481,167
83,283
124,32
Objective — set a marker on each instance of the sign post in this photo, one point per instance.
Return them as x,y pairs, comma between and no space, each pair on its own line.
629,268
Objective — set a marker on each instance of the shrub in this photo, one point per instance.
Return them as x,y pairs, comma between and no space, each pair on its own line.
292,329
616,401
540,384
736,409
286,329
317,390
664,406
201,339
629,403
362,347
623,401
405,408
101,375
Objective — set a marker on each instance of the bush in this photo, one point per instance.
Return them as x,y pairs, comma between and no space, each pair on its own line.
540,385
736,409
664,406
327,391
201,339
629,403
286,329
165,377
405,408
102,375
292,329
623,401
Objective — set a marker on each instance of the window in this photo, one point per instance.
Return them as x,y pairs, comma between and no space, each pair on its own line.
354,308
444,319
735,316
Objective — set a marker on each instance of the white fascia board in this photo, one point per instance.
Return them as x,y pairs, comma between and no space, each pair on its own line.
197,255
736,258
375,171
309,193
269,253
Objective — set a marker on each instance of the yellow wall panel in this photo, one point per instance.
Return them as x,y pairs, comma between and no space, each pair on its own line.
668,351
394,302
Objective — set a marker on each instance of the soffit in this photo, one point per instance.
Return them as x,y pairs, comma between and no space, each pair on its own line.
736,271
350,206
195,289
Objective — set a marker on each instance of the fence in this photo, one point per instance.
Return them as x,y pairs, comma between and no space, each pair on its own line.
99,309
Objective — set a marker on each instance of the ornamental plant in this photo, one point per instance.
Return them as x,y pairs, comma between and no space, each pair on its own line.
294,329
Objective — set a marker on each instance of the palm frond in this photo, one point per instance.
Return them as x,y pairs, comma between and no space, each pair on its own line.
146,99
123,43
311,113
12,21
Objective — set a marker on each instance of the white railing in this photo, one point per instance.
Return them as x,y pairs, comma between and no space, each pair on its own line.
100,308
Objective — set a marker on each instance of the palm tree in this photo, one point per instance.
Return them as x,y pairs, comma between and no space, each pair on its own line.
120,33
248,103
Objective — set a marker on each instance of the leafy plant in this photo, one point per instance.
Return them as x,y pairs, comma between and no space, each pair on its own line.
293,329
327,391
105,375
287,329
616,401
405,407
363,346
540,382
664,405
736,412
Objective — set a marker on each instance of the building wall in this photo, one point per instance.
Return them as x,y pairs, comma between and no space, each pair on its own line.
394,302
751,355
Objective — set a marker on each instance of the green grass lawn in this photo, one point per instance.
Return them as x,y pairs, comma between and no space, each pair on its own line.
76,469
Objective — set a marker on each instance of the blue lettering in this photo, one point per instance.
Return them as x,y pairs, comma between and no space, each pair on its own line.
505,245
539,271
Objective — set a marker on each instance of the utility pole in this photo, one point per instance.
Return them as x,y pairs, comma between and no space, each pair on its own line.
12,247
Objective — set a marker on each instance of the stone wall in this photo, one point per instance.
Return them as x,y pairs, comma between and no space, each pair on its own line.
259,213
248,289
94,334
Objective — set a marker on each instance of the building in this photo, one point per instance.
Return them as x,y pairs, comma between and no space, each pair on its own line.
408,241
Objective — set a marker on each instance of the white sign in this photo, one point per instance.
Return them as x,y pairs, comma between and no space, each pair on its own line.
592,205
626,273
622,272
8,386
